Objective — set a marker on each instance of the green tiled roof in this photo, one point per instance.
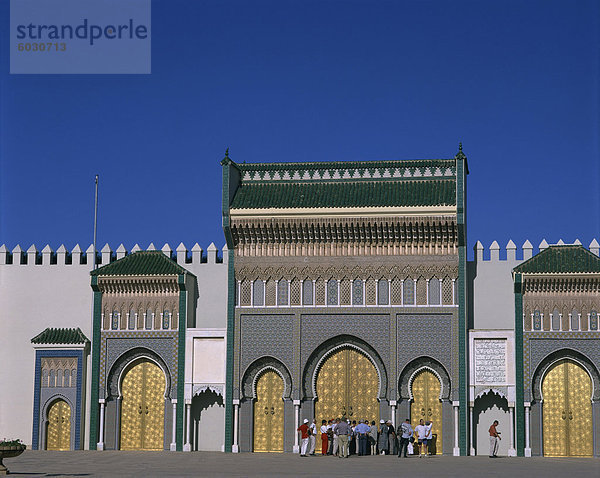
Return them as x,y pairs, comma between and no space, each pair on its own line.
345,194
60,336
568,259
141,263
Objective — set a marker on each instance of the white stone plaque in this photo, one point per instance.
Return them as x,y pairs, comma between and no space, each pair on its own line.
490,361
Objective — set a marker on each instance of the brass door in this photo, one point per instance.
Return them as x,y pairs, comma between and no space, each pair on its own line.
347,385
567,412
143,408
59,426
426,405
268,413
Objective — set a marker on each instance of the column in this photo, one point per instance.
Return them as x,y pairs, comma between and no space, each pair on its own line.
472,450
456,450
511,450
118,427
527,443
174,432
188,411
100,444
235,448
393,404
296,424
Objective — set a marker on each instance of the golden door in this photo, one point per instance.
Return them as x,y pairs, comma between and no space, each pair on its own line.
143,408
567,412
268,413
59,426
426,405
347,385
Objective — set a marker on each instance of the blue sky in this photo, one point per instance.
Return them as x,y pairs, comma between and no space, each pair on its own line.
516,82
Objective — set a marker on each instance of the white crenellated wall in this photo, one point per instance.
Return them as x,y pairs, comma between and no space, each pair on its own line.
48,288
493,292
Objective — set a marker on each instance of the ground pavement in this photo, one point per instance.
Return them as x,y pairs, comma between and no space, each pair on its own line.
128,463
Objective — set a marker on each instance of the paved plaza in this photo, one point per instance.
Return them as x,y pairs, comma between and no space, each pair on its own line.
111,463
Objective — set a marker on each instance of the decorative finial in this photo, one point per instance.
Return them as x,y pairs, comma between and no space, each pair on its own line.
226,159
227,153
460,147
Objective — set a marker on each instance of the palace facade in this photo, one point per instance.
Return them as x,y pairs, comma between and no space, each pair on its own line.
343,289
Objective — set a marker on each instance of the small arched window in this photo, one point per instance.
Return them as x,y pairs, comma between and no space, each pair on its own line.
52,379
59,378
537,320
258,293
148,320
332,292
67,378
383,292
574,320
307,292
131,320
282,292
556,320
434,291
44,378
409,292
114,323
74,378
357,292
166,319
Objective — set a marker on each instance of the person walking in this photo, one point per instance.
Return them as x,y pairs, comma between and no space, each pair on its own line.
342,431
312,437
382,439
405,431
494,439
373,438
421,432
324,438
304,430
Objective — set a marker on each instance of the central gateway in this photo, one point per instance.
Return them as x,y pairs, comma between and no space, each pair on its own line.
345,282
347,386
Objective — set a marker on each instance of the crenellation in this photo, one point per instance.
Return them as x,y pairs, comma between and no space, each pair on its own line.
167,251
211,253
595,247
121,251
196,254
511,251
32,255
61,255
3,254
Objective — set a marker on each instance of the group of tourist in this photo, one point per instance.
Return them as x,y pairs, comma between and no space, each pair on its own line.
341,437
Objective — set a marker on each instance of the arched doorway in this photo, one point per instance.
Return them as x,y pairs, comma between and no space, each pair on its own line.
426,390
490,406
143,407
59,426
347,386
268,413
567,410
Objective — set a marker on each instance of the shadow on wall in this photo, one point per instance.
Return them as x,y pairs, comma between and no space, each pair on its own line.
201,403
488,408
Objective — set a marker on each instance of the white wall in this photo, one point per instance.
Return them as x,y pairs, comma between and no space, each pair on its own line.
33,297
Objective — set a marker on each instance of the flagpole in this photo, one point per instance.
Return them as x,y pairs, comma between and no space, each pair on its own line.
95,222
